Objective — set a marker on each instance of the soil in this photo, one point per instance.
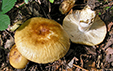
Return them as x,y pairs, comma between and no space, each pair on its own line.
79,57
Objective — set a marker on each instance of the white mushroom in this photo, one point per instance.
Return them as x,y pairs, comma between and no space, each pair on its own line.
85,27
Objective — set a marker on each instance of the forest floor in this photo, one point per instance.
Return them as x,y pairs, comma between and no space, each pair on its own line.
79,57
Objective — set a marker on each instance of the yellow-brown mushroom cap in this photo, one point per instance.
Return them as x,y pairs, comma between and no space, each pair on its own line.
16,59
42,40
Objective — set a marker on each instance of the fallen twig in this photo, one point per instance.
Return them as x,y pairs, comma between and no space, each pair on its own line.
80,67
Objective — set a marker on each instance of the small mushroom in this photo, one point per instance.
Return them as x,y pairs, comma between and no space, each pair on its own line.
85,27
42,40
16,59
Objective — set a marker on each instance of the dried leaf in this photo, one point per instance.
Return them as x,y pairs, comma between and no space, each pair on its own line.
91,3
9,43
70,64
110,42
1,41
109,55
109,25
70,69
16,25
66,5
89,51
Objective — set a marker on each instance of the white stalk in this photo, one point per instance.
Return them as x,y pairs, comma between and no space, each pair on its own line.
86,19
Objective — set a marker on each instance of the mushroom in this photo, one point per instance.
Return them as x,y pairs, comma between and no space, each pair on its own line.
85,27
16,59
42,40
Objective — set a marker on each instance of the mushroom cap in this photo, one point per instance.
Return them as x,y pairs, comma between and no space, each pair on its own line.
94,36
16,59
42,40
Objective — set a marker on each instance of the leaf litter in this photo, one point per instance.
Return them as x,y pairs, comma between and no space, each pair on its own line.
79,57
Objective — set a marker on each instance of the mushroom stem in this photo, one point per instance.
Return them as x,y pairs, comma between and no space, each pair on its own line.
86,19
84,26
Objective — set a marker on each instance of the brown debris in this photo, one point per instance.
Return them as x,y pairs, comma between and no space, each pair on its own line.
80,57
109,26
